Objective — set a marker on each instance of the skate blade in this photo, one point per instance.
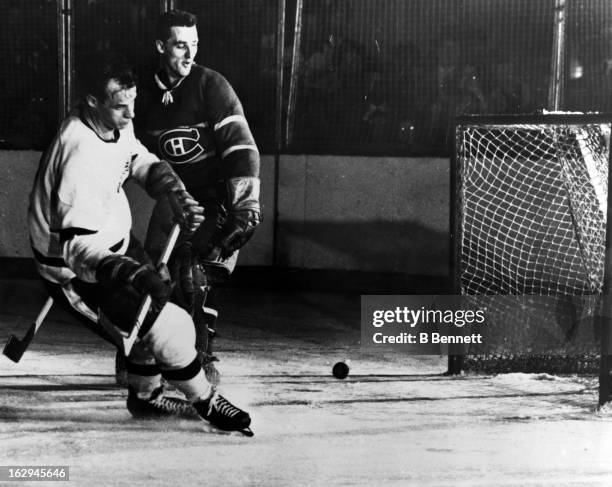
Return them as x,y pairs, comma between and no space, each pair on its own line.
167,417
247,432
209,428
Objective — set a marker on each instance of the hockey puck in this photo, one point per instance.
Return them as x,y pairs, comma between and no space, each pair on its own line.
340,370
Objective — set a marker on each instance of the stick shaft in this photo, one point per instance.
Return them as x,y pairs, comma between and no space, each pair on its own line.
43,313
128,342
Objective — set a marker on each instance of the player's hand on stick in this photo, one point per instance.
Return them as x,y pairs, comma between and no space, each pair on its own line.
187,211
163,181
118,270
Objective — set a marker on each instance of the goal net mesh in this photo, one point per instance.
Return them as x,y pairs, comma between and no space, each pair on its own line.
532,208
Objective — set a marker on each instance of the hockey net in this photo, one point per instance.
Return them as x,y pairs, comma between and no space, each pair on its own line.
530,236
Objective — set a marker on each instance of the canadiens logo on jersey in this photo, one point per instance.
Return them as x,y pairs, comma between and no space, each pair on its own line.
182,145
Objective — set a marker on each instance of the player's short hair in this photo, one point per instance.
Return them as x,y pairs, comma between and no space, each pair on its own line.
173,18
96,74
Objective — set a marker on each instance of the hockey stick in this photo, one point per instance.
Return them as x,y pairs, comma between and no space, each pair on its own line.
128,341
15,348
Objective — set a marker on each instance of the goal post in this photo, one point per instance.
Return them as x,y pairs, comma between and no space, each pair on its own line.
530,238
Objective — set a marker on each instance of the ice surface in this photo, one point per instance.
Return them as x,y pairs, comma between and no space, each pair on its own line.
394,421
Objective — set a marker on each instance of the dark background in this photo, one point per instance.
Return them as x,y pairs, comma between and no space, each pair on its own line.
372,77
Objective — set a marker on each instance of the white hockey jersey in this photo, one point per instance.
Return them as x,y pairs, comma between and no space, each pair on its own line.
78,212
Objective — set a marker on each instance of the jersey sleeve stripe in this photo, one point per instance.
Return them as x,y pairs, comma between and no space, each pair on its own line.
59,261
230,119
234,148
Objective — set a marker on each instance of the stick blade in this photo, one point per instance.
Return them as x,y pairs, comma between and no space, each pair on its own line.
14,349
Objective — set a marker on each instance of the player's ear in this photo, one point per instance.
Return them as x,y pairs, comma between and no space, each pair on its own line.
159,45
92,101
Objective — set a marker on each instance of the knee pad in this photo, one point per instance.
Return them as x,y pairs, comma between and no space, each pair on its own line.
141,354
143,373
171,339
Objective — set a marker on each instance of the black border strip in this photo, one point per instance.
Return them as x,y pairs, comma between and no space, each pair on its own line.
293,279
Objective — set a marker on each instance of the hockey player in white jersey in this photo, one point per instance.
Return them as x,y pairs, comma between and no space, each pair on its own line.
79,221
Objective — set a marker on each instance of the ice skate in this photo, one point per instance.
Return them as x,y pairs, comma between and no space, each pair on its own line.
224,415
159,405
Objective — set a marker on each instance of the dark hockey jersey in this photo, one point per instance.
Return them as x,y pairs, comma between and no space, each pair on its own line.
200,128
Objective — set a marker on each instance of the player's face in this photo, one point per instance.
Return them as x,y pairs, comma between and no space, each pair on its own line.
117,109
179,51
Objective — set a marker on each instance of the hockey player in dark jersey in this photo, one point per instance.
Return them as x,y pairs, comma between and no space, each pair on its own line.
192,118
79,220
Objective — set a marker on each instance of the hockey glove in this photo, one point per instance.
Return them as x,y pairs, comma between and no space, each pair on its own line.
119,270
187,211
243,216
162,180
236,231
